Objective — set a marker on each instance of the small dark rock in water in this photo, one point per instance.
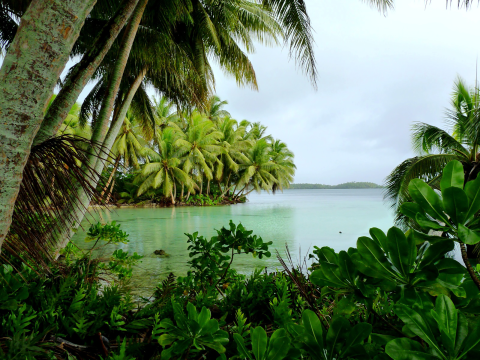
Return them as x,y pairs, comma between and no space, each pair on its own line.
160,252
339,232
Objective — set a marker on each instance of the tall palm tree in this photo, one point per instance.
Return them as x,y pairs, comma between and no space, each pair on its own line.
436,147
214,109
200,145
129,147
284,169
256,172
164,167
234,145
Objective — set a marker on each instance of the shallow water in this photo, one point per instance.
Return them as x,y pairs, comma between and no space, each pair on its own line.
298,218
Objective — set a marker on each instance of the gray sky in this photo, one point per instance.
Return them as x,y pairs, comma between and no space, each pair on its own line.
377,75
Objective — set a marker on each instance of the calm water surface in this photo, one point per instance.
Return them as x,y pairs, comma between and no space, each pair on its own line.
300,219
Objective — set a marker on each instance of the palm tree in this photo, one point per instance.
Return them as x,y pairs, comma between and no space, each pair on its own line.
436,147
129,146
234,145
257,170
200,144
164,167
214,109
284,169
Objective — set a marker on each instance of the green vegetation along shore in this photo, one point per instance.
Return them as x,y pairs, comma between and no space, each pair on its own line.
347,185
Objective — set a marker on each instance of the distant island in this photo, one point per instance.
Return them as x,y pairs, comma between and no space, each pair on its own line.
347,185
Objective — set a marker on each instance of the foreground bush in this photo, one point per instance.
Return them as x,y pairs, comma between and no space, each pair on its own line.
395,296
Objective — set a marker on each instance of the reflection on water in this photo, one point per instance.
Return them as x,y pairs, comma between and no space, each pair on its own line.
297,218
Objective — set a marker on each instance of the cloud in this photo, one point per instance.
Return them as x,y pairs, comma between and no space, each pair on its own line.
377,75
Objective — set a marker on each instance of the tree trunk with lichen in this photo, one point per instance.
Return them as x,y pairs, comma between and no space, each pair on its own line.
83,71
30,70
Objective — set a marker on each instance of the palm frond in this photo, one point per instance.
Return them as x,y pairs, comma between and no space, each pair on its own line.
51,177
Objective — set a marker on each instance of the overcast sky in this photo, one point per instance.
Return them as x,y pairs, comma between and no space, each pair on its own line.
377,75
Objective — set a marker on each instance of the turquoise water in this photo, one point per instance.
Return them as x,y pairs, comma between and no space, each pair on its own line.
299,219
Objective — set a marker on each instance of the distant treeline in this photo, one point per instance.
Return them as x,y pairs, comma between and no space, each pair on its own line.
348,185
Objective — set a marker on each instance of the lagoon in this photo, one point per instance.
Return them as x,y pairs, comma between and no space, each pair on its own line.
297,218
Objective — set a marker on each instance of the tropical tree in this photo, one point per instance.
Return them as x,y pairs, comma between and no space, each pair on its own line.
129,147
163,168
200,144
284,169
256,172
436,147
61,22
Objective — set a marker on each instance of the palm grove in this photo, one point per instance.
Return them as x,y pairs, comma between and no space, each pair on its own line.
205,153
395,295
124,47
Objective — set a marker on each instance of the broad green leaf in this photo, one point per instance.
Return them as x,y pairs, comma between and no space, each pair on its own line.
374,257
420,237
450,266
452,176
445,314
192,312
473,193
313,328
407,349
278,345
365,268
332,273
215,346
166,339
327,254
425,223
468,236
402,251
472,339
435,252
259,342
338,329
381,339
462,332
210,327
380,238
410,209
347,268
456,204
203,317
241,346
344,307
359,332
417,324
428,200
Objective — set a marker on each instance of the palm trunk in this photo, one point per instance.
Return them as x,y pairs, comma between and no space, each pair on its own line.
116,77
117,161
83,200
188,195
201,185
30,70
208,187
83,71
110,192
181,194
238,194
174,191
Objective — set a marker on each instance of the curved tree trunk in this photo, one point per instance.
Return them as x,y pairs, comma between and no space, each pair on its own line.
117,161
110,192
82,198
30,70
83,71
116,77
